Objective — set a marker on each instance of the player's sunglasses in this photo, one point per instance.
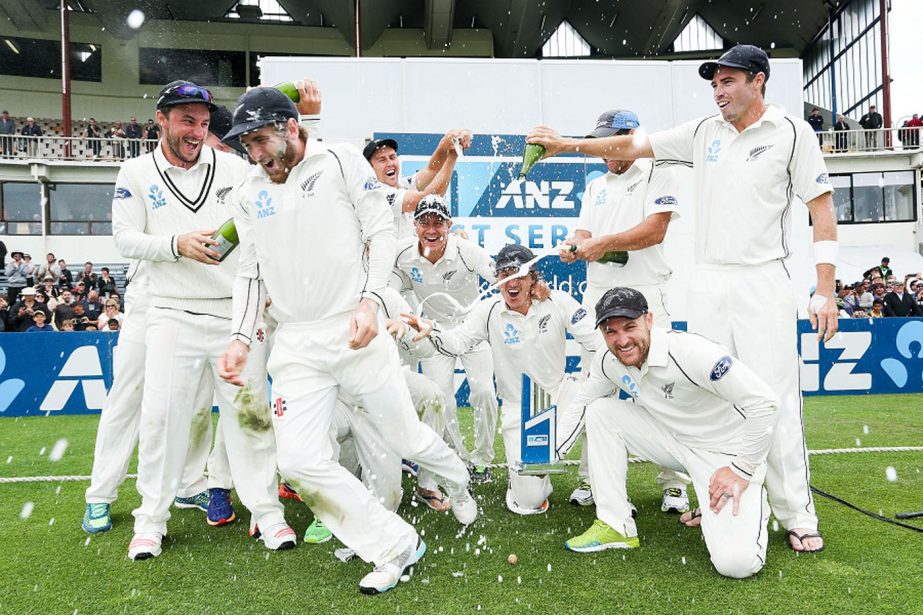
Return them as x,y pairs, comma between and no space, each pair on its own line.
191,91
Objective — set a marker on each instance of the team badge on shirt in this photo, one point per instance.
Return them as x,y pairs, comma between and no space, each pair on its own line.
578,316
600,199
543,323
756,152
122,193
280,407
666,200
720,369
307,186
156,196
668,390
630,385
510,334
713,150
822,179
372,183
264,207
415,275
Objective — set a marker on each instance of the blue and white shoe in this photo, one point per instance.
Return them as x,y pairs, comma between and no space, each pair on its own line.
387,576
220,507
410,467
97,518
199,500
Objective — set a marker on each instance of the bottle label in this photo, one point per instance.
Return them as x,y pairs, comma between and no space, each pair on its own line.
223,248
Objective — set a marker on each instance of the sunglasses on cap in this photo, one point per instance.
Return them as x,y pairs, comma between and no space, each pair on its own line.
192,91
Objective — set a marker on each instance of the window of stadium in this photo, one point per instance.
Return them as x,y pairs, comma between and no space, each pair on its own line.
20,208
566,42
874,197
268,10
210,68
698,36
31,57
80,209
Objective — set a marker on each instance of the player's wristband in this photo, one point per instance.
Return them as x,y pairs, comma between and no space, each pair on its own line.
826,252
817,303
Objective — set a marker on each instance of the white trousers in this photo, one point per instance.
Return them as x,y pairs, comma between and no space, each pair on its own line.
479,369
179,346
752,311
117,432
311,364
736,544
656,296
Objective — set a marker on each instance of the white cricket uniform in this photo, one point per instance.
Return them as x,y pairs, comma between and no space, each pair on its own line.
743,297
533,344
696,409
117,432
187,324
403,220
615,203
457,274
306,239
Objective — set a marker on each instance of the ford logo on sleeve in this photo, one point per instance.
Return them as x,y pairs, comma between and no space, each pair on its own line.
720,369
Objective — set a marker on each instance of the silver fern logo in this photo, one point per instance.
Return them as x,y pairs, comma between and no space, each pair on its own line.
308,185
756,152
222,193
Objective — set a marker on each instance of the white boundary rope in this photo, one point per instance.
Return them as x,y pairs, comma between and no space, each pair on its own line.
568,462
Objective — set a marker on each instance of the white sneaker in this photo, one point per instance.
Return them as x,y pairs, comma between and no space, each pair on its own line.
675,500
464,507
387,576
278,537
145,546
582,495
514,506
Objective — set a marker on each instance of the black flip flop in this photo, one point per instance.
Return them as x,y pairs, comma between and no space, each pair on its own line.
801,539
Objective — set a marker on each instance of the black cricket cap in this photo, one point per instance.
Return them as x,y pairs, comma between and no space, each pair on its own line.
614,121
183,93
620,302
376,144
220,124
432,204
513,255
744,57
260,107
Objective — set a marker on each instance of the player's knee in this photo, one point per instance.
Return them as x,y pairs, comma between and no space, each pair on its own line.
736,563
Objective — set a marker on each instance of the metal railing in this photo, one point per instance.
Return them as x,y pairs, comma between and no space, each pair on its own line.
72,148
882,139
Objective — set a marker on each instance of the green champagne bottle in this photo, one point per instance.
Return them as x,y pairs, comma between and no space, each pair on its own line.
227,239
615,257
530,155
288,88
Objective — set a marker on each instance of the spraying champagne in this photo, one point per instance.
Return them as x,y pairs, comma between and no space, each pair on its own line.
530,155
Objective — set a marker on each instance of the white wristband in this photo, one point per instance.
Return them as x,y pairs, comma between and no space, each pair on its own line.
817,303
826,252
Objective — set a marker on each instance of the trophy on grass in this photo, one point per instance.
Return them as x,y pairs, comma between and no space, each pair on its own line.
539,417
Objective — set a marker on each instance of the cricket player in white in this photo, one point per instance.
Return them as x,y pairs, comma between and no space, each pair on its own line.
178,187
444,272
525,336
434,178
308,217
696,409
627,209
748,163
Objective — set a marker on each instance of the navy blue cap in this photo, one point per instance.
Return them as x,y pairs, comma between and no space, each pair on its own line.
184,93
260,107
620,302
376,144
512,255
432,204
745,57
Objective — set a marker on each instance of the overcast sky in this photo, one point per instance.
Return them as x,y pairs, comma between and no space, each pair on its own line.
905,23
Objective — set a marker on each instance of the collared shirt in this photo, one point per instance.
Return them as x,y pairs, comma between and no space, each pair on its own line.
403,220
745,182
615,203
706,398
532,343
457,274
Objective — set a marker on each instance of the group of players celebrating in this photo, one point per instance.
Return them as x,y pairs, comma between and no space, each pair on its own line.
348,283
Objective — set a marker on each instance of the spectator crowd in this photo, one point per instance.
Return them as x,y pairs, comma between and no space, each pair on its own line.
908,133
49,297
881,294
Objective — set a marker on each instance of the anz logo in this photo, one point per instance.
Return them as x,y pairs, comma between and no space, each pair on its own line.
510,334
537,195
713,151
264,207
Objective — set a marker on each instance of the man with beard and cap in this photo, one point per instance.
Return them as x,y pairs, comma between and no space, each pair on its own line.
165,208
316,214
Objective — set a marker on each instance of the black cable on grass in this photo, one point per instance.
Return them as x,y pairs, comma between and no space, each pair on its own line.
830,496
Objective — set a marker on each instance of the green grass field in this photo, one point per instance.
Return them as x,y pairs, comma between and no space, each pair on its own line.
49,565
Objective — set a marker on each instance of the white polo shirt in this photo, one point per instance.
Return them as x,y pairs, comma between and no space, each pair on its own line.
403,221
745,182
615,203
457,274
708,399
532,343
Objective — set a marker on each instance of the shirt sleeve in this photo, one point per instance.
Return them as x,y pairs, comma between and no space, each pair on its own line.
571,419
675,144
370,198
577,321
584,222
662,193
459,340
483,263
809,172
249,293
129,219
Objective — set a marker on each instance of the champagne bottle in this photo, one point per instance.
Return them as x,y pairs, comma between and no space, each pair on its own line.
613,257
288,88
227,239
530,155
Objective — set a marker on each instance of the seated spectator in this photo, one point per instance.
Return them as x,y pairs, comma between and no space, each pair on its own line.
7,129
843,304
115,296
882,270
66,325
15,272
91,328
38,319
105,283
80,291
878,307
898,303
112,326
87,276
66,278
50,268
47,286
879,291
92,305
32,132
22,311
134,132
4,313
864,293
93,134
111,315
64,310
81,322
860,313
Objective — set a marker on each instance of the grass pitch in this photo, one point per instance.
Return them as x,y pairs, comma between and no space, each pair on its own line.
49,565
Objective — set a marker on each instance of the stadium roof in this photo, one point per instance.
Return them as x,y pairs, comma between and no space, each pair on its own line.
617,28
